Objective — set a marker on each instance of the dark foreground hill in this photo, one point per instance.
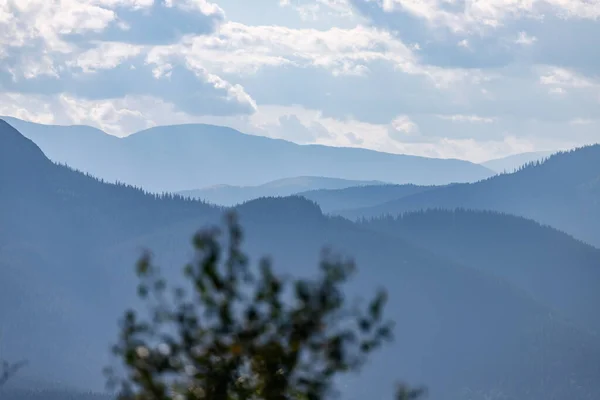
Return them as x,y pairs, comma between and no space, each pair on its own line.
184,157
68,243
563,192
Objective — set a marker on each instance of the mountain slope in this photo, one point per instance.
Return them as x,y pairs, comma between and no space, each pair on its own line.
175,158
337,200
54,224
563,192
66,262
226,195
514,162
540,260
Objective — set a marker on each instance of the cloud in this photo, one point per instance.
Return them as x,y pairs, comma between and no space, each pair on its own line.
405,126
238,49
106,55
161,21
195,91
354,139
291,128
461,78
582,121
56,23
241,49
564,78
467,118
99,50
314,9
500,32
474,16
118,116
524,39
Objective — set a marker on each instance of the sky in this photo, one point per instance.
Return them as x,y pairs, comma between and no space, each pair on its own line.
469,79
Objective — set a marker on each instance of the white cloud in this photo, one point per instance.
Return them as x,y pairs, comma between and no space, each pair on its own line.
24,21
467,118
561,79
464,43
524,39
581,121
557,91
405,125
313,9
49,23
105,55
59,45
119,116
28,108
475,16
204,6
352,83
241,49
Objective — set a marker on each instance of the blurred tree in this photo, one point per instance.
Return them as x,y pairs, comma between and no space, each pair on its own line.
8,370
245,333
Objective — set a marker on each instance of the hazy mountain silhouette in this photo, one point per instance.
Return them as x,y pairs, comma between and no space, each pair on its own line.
338,200
212,155
68,243
227,195
514,162
563,192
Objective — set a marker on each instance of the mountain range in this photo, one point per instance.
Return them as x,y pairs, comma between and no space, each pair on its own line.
563,192
337,201
227,195
474,295
512,163
187,157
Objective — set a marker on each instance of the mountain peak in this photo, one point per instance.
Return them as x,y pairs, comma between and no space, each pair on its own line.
17,152
278,209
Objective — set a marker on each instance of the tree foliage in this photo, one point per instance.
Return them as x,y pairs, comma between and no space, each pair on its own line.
245,332
8,370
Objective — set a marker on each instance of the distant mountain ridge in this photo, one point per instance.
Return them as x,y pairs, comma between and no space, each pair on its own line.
512,163
227,195
337,201
563,192
175,158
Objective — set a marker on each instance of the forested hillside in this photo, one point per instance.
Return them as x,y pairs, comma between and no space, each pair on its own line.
551,266
563,192
340,200
68,244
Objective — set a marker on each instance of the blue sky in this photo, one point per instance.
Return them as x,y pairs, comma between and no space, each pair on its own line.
471,79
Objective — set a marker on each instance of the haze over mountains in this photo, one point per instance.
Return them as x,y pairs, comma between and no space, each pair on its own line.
465,287
227,195
337,201
186,157
512,163
563,192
